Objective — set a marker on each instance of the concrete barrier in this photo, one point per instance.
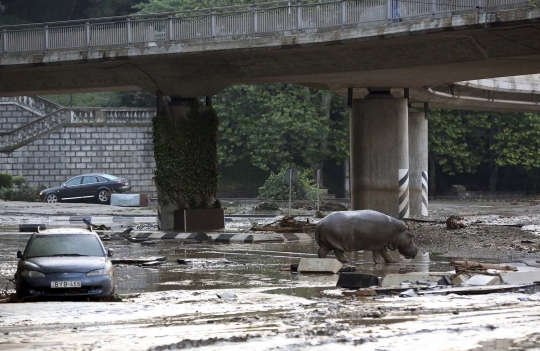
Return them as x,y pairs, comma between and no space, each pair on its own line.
129,200
319,265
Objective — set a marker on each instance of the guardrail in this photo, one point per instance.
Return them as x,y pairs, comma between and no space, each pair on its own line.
234,22
36,104
64,117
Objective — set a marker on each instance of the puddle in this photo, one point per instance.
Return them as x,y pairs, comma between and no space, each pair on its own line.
227,266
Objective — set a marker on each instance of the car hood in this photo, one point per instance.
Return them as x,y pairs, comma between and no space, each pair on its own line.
51,189
65,264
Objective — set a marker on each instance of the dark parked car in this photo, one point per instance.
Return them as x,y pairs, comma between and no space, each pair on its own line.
64,262
87,186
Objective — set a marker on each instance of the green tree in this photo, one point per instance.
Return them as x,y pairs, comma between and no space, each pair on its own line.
276,125
518,144
457,142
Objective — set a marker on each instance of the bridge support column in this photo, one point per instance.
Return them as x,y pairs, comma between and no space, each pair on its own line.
186,167
418,163
380,154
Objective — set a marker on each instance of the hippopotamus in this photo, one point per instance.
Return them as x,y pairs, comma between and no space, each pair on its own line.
364,230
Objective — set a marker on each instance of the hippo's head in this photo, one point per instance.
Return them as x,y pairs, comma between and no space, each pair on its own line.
404,243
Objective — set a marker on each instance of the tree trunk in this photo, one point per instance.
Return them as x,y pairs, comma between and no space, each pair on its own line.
494,178
325,107
493,167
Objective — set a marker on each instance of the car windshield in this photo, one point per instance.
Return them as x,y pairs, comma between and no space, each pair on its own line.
65,245
110,177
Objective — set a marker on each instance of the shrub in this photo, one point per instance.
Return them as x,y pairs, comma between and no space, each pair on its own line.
6,181
25,193
20,182
277,188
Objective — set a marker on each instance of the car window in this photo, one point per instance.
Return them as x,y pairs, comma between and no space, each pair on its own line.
102,180
89,180
74,181
65,244
110,177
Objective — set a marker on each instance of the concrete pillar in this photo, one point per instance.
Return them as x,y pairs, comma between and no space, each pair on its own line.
418,163
379,140
176,109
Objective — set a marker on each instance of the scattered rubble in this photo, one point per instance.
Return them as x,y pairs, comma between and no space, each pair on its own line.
470,278
287,224
266,206
326,206
477,266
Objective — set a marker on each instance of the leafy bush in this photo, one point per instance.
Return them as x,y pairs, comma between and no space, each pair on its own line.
6,181
24,191
20,182
277,188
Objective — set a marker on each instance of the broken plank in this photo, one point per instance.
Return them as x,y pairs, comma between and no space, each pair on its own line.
475,290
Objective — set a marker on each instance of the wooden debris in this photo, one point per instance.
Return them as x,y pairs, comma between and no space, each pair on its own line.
477,266
287,224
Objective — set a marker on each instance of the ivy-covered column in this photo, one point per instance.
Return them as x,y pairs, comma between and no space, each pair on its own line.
186,174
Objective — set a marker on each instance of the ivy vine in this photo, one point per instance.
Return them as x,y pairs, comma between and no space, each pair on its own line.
185,152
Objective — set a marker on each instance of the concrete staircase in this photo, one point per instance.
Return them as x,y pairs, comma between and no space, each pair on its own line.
54,117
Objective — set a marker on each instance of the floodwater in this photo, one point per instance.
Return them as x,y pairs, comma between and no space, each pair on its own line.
224,266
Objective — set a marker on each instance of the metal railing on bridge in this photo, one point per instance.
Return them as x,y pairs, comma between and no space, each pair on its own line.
227,23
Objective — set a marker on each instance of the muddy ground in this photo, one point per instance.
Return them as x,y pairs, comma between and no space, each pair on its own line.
177,307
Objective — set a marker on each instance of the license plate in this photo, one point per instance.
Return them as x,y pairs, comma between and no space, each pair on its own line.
66,284
126,183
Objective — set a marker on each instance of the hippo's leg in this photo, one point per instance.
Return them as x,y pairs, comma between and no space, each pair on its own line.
323,252
386,256
376,256
340,256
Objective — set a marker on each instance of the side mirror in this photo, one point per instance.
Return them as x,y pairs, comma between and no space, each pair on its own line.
19,254
110,252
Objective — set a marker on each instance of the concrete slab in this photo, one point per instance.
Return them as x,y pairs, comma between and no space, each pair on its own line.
319,265
413,277
461,279
482,280
520,277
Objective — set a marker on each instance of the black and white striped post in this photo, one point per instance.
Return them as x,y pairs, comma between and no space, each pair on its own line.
418,162
403,193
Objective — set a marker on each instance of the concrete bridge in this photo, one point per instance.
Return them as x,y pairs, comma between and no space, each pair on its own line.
387,56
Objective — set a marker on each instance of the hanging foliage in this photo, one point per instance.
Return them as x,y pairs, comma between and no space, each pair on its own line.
185,151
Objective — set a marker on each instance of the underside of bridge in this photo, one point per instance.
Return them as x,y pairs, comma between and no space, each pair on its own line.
388,143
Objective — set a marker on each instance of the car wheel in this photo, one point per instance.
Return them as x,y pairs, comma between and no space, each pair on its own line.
104,196
52,198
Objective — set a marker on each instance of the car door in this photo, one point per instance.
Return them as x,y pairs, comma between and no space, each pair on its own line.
70,188
89,187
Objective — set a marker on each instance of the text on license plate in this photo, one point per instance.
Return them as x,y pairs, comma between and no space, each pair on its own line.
66,284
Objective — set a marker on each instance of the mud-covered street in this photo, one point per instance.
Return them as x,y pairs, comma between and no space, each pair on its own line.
263,306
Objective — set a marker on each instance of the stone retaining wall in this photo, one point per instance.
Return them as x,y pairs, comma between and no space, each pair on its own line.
124,151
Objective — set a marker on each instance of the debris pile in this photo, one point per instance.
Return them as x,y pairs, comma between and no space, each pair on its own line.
470,278
323,206
287,224
266,206
462,266
455,222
